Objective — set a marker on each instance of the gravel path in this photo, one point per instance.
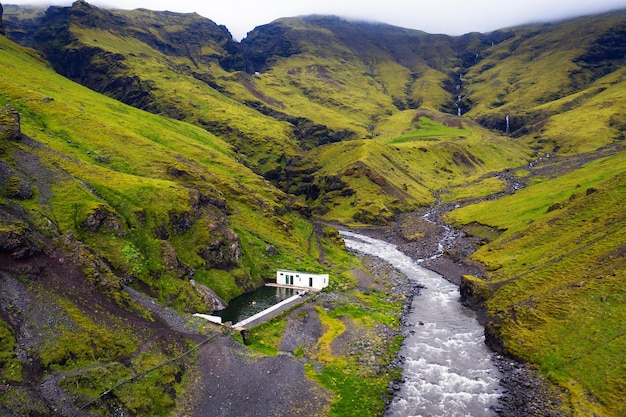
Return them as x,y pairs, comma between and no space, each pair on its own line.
234,382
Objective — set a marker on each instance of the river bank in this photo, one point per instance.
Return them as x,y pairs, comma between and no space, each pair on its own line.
446,251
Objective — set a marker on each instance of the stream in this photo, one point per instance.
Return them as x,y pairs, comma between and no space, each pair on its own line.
448,369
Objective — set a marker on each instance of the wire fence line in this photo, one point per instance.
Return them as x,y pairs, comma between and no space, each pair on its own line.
147,371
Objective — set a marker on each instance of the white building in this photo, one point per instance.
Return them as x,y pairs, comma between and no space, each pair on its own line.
299,279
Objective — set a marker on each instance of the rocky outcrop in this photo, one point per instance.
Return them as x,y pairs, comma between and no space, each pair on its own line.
10,128
177,34
102,217
12,183
210,298
222,251
474,291
71,251
15,241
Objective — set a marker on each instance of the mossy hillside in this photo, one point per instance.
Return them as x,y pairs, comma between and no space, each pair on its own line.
351,79
556,95
329,81
589,120
180,95
368,181
145,194
332,95
139,57
142,169
337,82
426,128
555,278
477,189
150,394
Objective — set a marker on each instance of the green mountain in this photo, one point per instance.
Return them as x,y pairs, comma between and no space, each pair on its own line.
149,153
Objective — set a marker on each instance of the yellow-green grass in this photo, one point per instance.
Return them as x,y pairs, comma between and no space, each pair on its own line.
481,188
195,99
523,86
80,128
358,386
10,365
358,391
316,88
518,211
149,394
428,89
391,177
593,121
428,129
555,279
84,342
538,81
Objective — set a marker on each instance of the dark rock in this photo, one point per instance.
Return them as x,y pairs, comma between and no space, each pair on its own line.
181,222
16,242
270,250
18,189
10,128
223,250
170,258
102,217
210,298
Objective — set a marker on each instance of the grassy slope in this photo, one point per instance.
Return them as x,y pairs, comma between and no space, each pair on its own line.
537,78
556,269
94,153
411,156
555,278
79,128
390,175
357,88
341,83
255,135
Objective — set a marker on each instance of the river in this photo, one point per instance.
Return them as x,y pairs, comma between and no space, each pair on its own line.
448,369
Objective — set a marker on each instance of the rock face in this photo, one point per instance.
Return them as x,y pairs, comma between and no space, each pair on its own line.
188,35
209,296
10,123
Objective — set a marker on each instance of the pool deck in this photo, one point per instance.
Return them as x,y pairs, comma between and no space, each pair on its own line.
272,311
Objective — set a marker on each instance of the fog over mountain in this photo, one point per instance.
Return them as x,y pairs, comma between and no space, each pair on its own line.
453,17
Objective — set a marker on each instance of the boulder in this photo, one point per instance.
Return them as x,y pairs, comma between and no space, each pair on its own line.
211,299
10,123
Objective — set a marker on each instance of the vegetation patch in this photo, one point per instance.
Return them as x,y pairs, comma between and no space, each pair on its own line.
11,367
479,189
88,343
427,129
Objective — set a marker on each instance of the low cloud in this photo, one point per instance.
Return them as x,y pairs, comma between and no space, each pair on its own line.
453,17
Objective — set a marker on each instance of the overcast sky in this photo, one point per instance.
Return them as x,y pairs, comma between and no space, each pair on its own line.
453,17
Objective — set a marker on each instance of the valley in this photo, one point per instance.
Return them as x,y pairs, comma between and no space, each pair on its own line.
151,168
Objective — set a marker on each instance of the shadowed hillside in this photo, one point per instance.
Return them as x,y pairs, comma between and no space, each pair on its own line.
192,166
